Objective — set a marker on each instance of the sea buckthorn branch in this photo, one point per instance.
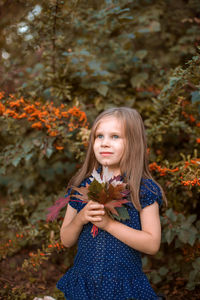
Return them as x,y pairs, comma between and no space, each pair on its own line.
17,241
188,171
162,171
169,119
55,121
33,233
11,246
189,114
189,117
36,258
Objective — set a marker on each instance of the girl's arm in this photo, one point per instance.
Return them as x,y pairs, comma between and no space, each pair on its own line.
73,221
146,240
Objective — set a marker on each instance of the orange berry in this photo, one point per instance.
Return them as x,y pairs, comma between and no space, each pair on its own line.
192,119
59,147
37,125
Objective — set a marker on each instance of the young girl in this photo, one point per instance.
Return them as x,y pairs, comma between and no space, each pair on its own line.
108,266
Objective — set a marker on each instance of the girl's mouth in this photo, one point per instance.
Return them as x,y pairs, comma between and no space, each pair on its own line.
105,153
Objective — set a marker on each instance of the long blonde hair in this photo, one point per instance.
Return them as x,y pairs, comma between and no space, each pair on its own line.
134,163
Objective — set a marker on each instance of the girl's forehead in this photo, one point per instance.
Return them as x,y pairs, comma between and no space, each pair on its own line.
110,122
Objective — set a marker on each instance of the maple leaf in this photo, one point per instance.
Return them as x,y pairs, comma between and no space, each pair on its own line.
115,180
115,192
95,189
123,214
108,190
103,197
111,205
83,191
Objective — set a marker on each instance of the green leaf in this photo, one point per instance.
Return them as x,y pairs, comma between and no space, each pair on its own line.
145,261
123,213
184,236
155,26
163,271
94,189
195,96
198,225
192,275
28,156
94,65
2,170
173,81
171,215
190,285
156,278
169,236
192,238
16,161
139,79
191,218
196,263
27,145
141,53
49,152
102,89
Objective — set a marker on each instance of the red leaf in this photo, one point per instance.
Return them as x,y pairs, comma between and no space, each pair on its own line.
94,230
55,209
83,191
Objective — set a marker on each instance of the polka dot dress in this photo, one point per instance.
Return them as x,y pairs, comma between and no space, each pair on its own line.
104,267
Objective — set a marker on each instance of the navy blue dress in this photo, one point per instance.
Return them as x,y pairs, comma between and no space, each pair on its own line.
105,268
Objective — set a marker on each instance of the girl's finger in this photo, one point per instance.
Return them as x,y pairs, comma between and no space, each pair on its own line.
96,205
96,212
95,219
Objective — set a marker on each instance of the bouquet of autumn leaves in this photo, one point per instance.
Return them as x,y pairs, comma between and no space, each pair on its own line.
108,190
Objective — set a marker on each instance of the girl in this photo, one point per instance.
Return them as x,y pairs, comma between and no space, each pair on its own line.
108,267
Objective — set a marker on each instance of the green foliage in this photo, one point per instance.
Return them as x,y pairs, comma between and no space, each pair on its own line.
179,233
180,229
107,48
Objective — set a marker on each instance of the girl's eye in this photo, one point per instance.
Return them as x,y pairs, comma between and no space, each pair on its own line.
115,136
99,136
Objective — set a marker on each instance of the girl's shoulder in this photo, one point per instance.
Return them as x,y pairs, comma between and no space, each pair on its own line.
150,192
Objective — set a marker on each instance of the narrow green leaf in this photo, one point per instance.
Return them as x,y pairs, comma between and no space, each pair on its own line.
16,161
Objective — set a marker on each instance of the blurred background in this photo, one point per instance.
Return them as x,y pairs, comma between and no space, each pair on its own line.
61,64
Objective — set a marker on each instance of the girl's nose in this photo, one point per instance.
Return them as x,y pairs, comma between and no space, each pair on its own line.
105,142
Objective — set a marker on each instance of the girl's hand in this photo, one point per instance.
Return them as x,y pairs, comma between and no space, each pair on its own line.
92,212
104,222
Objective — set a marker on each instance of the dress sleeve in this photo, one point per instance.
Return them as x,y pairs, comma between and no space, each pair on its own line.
74,201
149,193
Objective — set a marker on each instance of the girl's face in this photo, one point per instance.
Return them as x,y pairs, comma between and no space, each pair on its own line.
109,144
